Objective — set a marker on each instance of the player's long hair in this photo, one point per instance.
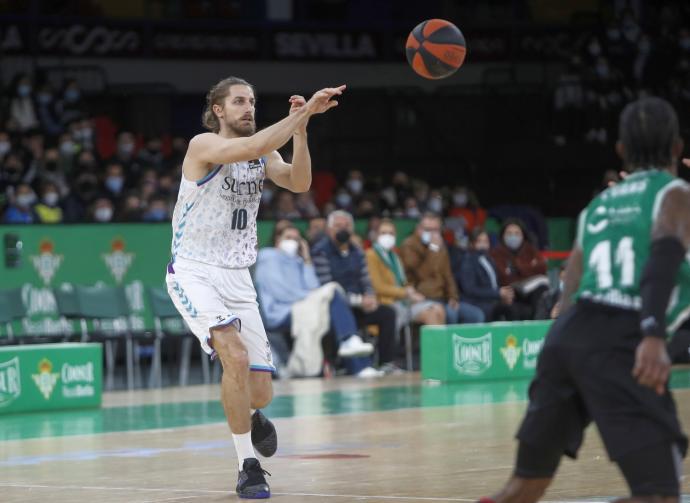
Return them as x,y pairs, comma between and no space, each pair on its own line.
216,96
648,129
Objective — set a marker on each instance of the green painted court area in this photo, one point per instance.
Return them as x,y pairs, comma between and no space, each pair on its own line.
355,401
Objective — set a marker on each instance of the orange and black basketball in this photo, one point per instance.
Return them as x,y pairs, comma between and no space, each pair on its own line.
435,49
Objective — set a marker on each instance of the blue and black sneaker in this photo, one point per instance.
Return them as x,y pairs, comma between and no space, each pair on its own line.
264,436
251,483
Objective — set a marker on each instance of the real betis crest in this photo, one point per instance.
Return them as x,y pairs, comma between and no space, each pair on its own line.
46,379
46,262
118,260
511,351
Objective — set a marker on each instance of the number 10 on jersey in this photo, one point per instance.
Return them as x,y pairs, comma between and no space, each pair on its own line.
239,219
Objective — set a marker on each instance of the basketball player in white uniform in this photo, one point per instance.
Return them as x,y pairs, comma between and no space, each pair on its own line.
215,242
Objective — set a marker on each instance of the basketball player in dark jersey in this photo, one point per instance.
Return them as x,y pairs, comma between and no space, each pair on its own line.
605,358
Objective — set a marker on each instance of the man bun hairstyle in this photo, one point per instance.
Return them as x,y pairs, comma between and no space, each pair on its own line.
216,96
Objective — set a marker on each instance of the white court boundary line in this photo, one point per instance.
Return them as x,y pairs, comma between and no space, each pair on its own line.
201,492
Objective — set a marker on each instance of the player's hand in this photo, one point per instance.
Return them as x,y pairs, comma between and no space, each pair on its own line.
322,100
687,162
652,364
297,102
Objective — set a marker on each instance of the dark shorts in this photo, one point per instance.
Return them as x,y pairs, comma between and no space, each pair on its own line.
584,373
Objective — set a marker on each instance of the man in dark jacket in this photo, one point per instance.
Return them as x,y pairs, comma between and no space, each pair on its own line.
475,274
336,258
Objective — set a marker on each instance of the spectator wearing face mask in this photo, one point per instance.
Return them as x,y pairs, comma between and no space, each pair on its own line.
435,203
125,154
336,258
520,265
71,107
21,209
157,211
411,209
83,133
114,181
68,151
102,210
477,279
465,205
285,276
48,208
427,267
22,112
47,112
343,200
355,184
391,285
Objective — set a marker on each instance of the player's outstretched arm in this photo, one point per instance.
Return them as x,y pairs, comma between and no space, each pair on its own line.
213,149
296,176
670,242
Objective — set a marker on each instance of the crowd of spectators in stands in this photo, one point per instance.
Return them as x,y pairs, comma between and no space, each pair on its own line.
633,55
54,169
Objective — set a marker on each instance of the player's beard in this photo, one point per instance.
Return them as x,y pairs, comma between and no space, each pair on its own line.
242,127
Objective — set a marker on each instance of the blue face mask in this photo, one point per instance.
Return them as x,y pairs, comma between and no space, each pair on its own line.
114,184
24,90
513,241
72,95
156,215
44,98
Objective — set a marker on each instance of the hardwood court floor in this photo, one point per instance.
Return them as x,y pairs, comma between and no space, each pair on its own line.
341,440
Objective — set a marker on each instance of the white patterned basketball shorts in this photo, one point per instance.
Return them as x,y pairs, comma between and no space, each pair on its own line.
208,296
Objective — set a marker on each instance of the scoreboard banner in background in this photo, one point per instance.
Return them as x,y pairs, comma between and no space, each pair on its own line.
211,40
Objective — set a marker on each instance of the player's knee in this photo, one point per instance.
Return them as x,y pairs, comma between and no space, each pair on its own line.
261,397
230,349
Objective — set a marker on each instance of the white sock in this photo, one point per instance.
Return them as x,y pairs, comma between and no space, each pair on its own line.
243,447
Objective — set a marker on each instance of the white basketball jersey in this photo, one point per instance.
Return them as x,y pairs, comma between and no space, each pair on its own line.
214,221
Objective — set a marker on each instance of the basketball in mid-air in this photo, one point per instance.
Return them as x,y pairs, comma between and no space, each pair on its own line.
435,49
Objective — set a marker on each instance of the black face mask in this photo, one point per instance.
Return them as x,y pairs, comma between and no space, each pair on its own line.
51,166
342,236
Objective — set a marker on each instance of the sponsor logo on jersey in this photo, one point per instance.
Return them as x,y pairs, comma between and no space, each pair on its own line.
472,356
248,188
595,228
